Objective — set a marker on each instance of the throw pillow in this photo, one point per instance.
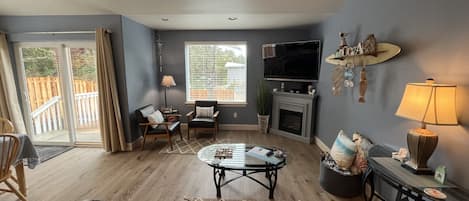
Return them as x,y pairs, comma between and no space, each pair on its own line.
147,111
343,151
360,164
204,112
155,117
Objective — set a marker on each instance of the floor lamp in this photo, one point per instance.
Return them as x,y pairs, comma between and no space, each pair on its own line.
167,81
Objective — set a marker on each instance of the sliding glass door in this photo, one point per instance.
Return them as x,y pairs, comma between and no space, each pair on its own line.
60,93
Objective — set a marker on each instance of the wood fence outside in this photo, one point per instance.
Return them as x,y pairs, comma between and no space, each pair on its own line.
43,89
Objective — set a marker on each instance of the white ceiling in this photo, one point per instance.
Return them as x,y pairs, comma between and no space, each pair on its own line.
187,14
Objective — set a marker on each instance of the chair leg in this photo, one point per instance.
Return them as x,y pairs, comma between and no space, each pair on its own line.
180,133
170,142
215,134
144,139
19,194
188,133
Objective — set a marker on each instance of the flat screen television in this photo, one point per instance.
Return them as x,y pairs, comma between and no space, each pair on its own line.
292,61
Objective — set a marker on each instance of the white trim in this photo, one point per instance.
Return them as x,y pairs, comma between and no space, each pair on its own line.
65,76
232,127
187,67
323,147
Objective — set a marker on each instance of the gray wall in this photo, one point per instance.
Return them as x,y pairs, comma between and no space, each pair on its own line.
433,36
173,61
141,72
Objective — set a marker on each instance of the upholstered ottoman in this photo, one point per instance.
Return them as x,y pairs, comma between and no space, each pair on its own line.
339,184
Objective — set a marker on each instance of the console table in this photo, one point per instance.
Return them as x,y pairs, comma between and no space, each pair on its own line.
407,184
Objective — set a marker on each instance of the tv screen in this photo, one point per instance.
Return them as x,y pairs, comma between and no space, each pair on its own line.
293,61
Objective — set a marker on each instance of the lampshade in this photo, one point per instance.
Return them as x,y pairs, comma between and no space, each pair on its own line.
429,103
168,81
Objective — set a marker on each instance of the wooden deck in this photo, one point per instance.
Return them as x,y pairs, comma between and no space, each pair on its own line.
90,173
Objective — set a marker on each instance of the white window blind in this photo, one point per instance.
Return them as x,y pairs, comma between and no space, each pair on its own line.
216,71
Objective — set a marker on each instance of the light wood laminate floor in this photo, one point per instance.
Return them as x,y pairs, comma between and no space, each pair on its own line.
90,173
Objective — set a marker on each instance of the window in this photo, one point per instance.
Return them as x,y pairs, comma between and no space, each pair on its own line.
216,71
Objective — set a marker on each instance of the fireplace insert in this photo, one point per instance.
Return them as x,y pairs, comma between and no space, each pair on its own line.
290,121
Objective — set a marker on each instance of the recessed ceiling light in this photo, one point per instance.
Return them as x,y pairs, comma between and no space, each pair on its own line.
164,19
232,18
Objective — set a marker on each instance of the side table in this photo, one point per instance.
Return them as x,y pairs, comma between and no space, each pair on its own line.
171,115
407,184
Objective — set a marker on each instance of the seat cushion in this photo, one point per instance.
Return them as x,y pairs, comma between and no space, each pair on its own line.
202,123
161,129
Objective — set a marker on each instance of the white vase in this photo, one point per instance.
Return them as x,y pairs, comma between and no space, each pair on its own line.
263,123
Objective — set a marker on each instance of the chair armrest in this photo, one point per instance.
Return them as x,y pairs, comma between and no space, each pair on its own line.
190,116
215,115
191,113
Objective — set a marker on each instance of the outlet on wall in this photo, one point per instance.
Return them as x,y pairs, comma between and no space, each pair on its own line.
235,115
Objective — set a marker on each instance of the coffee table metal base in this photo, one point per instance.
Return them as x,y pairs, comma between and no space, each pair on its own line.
270,174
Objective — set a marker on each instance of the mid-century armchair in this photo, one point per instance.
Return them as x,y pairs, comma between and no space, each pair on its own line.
203,119
164,129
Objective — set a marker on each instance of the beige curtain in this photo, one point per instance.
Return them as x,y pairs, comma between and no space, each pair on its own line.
9,105
109,113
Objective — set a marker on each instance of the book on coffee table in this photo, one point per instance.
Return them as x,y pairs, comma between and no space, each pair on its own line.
262,154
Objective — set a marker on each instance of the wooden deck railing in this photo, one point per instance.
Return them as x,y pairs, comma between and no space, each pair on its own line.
42,89
50,116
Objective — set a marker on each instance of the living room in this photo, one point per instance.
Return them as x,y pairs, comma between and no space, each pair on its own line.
151,39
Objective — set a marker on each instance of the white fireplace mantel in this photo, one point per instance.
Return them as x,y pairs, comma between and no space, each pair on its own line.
303,103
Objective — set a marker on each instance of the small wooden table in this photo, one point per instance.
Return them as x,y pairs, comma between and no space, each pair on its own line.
26,152
171,115
19,169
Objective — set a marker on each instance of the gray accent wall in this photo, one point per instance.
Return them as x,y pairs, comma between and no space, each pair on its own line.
141,71
434,38
174,64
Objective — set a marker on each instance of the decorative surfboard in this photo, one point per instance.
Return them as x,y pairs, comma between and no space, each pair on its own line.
385,51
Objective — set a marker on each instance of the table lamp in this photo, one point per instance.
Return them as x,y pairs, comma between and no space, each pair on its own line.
167,81
428,103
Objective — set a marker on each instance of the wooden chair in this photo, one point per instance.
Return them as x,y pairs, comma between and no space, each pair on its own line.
203,123
9,145
165,129
6,126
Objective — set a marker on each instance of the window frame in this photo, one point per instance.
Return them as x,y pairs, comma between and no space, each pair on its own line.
187,71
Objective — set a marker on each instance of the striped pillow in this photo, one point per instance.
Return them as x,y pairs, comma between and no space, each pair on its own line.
343,151
204,112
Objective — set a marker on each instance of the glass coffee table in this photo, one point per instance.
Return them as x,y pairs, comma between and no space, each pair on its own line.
241,164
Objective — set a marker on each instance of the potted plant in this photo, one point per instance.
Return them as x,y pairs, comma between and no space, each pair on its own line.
263,97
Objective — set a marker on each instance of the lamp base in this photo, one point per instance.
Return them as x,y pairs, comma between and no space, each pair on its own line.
421,143
413,169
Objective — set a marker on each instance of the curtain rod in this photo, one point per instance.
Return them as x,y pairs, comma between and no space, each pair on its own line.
57,32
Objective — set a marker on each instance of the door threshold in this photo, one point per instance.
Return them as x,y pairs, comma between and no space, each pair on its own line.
88,145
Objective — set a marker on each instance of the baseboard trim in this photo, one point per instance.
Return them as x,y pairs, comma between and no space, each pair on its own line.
238,127
323,147
231,127
135,144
